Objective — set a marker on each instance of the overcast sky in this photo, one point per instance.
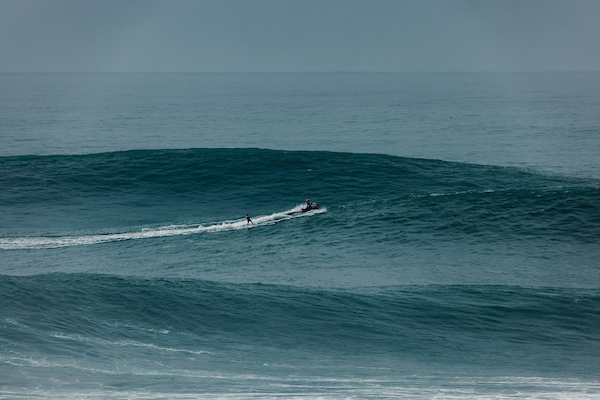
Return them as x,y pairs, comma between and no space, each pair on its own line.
298,35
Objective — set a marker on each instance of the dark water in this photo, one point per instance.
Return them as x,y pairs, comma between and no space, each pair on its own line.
130,273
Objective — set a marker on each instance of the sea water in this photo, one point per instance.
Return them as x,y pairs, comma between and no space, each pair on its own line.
455,253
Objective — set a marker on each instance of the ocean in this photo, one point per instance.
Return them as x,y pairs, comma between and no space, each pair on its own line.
454,255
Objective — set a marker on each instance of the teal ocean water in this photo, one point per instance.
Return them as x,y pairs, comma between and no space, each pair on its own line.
455,253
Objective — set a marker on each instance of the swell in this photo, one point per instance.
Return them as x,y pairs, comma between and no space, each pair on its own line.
195,315
121,190
554,214
188,174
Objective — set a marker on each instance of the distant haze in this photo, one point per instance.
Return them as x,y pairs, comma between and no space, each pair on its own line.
298,35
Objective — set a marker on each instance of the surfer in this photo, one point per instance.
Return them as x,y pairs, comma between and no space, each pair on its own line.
248,220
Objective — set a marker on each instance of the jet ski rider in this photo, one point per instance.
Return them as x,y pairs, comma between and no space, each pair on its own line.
308,203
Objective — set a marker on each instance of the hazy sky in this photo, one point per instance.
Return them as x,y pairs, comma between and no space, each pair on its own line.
299,35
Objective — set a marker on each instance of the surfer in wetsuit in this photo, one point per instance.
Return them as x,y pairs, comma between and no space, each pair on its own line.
248,220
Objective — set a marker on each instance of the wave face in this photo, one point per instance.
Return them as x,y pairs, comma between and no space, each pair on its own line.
413,277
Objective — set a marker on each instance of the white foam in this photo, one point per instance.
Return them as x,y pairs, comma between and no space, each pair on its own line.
50,242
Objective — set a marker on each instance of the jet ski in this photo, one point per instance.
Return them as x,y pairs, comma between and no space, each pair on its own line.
311,206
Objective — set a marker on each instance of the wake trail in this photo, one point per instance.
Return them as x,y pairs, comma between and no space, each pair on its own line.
49,242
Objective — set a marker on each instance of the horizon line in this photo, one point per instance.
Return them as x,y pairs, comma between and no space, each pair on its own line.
302,72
